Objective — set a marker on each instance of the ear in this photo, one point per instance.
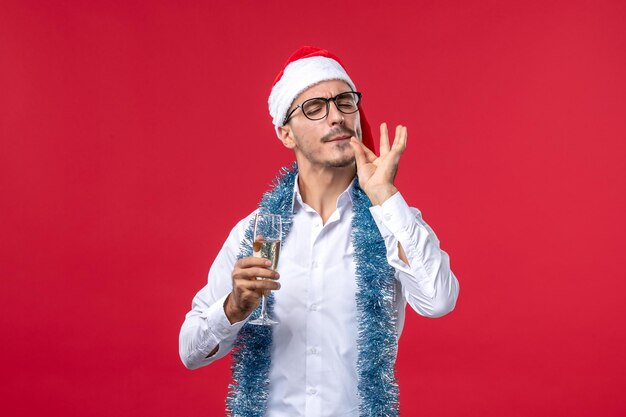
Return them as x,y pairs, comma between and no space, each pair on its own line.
285,134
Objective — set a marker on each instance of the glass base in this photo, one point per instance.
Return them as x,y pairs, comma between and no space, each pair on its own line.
263,321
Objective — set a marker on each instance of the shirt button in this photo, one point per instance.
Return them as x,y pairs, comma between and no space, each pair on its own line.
226,331
313,307
387,216
315,264
312,391
313,351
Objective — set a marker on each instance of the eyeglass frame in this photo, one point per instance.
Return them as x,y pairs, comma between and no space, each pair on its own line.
327,100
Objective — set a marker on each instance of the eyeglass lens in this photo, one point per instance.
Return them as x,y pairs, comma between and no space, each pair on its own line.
317,108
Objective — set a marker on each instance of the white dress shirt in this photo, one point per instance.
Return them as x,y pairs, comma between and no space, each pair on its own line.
314,353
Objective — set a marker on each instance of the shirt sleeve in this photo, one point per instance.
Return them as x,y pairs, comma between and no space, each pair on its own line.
206,325
427,282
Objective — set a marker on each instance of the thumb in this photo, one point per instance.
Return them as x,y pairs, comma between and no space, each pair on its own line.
359,153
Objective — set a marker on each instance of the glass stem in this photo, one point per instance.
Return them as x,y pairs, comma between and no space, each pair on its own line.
263,306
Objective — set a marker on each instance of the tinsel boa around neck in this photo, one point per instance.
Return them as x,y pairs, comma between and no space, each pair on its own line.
377,338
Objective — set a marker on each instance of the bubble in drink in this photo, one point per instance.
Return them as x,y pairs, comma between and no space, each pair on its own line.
268,249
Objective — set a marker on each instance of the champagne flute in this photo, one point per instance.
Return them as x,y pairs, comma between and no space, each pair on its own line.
267,237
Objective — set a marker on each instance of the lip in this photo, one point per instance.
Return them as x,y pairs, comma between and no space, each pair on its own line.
339,138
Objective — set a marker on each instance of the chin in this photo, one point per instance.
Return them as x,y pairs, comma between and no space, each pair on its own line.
341,163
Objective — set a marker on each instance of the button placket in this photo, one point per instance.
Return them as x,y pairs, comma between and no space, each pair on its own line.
314,321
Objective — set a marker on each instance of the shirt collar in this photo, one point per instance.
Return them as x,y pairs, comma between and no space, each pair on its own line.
342,201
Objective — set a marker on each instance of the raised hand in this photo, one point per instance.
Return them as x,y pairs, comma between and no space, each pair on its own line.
377,173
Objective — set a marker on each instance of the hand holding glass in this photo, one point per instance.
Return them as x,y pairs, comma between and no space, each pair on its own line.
267,237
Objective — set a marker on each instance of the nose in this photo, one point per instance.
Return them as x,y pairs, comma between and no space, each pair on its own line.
334,115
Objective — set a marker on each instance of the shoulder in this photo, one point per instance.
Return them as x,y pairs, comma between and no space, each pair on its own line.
238,232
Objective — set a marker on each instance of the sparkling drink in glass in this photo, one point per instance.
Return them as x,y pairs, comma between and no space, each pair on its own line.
267,238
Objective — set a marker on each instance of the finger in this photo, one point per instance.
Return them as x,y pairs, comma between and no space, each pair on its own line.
399,142
359,152
384,139
260,285
265,285
252,261
255,272
369,154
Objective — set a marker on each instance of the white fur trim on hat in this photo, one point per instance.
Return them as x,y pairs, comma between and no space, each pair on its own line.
297,77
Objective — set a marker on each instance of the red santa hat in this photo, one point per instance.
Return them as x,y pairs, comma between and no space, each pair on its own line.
306,67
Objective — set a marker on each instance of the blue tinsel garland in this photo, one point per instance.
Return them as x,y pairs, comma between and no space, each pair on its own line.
377,338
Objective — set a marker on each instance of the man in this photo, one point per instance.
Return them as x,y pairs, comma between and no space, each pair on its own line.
353,255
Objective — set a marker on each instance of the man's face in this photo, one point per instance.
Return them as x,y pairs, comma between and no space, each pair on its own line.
325,142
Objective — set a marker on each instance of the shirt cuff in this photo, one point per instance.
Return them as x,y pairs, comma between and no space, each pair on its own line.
219,323
393,216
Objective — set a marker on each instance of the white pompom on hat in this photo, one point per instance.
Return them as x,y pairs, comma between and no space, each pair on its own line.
306,67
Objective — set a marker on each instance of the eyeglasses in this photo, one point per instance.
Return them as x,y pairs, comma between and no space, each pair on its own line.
317,108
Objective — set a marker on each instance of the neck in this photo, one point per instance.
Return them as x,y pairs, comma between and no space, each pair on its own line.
321,186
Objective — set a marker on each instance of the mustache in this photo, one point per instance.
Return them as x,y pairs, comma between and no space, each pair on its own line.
338,131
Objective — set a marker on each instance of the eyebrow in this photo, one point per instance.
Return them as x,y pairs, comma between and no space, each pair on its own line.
328,98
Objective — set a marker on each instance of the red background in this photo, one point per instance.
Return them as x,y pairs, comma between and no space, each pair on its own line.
135,134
